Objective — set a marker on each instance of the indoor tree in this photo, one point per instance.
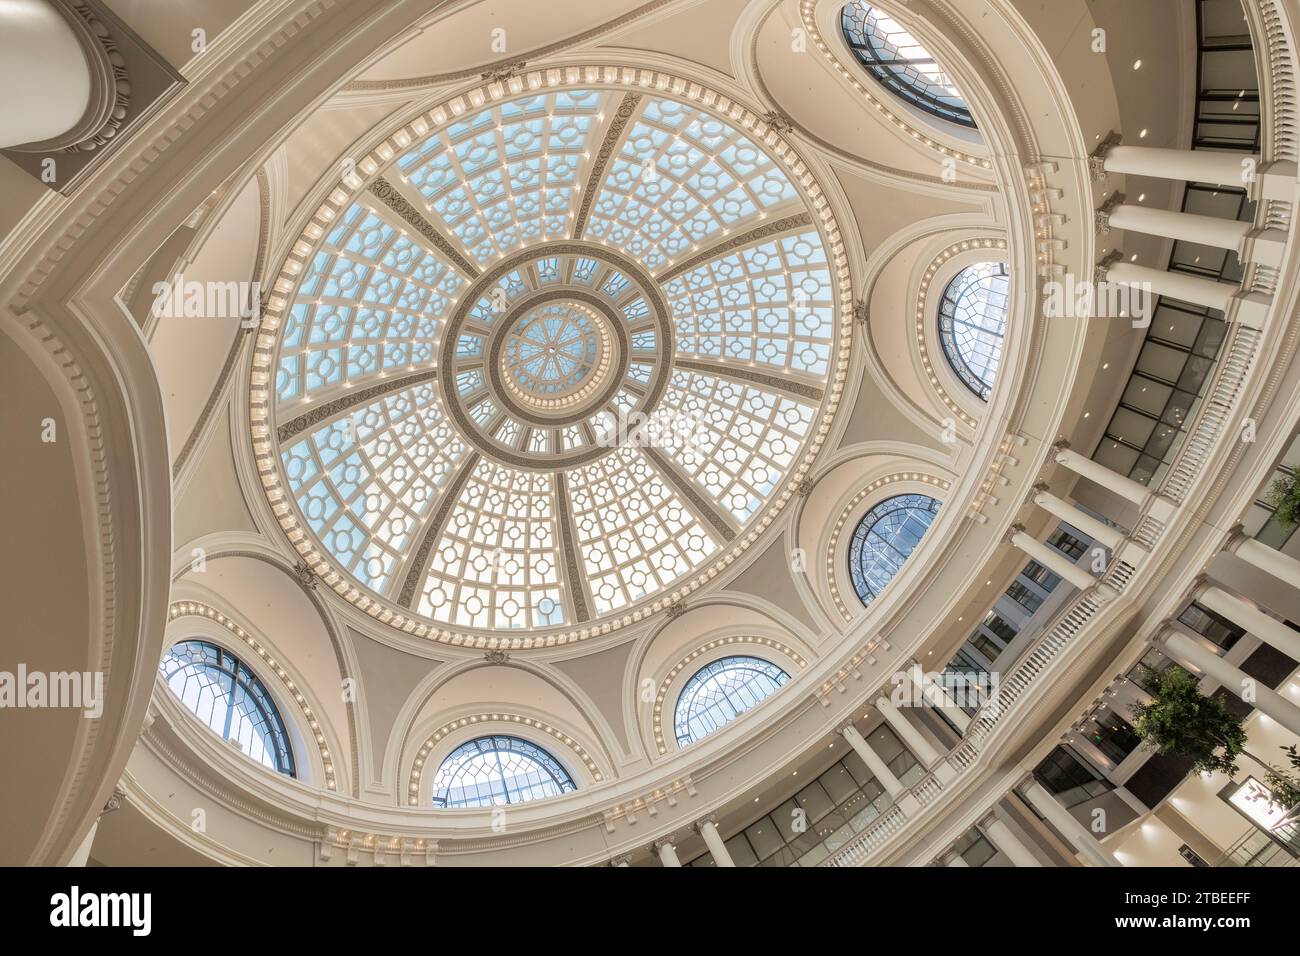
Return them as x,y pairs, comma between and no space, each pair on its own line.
1180,720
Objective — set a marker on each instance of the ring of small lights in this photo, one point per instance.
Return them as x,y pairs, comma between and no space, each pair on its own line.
602,326
660,320
336,199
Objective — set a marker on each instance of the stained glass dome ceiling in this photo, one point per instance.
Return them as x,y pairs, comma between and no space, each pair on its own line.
551,359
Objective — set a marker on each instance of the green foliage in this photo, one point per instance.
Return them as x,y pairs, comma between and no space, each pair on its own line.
1181,720
1284,496
1285,786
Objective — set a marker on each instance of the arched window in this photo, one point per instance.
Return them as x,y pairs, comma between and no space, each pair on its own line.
223,693
973,323
885,537
902,65
722,691
490,771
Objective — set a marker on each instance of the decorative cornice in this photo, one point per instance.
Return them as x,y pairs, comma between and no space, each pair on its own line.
110,86
391,197
596,175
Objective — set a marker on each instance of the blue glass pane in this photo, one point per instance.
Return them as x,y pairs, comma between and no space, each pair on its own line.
885,538
973,324
891,54
222,692
722,691
495,770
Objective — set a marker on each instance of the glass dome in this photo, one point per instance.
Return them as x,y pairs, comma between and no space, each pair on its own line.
973,324
892,55
885,538
519,384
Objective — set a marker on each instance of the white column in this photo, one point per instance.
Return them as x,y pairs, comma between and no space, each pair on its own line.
1053,560
1000,836
1270,561
1079,836
939,698
1176,285
879,769
1188,165
1191,653
1269,630
667,853
713,840
1085,467
911,737
1189,227
1072,514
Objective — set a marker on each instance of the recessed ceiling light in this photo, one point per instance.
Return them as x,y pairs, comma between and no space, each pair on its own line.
1142,135
1137,64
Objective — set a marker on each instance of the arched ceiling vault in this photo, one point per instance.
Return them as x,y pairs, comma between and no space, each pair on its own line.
775,185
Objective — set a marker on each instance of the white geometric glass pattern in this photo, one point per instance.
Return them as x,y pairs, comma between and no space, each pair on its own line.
973,324
497,770
735,440
372,302
475,347
720,692
364,480
769,303
682,176
635,534
497,562
505,177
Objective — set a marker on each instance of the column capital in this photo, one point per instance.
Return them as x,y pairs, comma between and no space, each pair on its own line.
710,819
1061,445
1014,530
1101,218
1042,488
1102,270
1097,158
623,859
662,842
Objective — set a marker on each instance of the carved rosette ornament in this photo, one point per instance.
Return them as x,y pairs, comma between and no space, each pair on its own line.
110,87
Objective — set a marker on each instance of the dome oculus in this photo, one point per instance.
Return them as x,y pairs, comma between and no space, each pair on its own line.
560,353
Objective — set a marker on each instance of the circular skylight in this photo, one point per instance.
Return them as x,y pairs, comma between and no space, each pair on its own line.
893,56
553,362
